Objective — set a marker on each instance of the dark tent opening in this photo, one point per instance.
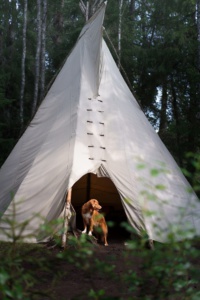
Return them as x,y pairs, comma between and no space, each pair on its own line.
101,188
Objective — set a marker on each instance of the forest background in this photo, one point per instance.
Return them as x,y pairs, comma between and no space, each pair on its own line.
156,45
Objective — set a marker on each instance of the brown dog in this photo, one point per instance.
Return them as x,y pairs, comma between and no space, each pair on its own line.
92,218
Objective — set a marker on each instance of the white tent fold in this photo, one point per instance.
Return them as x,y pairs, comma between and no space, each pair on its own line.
89,122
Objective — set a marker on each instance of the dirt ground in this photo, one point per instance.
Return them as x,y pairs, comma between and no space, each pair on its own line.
92,271
89,270
103,271
76,283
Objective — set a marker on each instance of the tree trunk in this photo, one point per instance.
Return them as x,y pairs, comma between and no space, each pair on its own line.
37,57
143,23
198,32
58,24
132,8
120,32
177,122
198,54
163,113
23,65
43,49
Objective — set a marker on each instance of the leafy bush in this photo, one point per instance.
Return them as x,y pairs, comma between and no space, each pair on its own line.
169,272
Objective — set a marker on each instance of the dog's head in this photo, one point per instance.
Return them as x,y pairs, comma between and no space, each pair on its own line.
95,204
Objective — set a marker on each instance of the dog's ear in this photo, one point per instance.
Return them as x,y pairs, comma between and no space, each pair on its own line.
92,203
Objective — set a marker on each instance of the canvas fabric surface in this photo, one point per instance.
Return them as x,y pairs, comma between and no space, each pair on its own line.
89,122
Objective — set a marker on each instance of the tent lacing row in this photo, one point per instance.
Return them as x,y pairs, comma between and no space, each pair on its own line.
96,129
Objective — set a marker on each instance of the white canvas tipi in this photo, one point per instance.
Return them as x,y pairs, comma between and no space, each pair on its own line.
89,122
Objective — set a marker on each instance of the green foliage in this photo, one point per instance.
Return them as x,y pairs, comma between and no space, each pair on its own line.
96,294
193,176
7,126
15,281
169,272
159,47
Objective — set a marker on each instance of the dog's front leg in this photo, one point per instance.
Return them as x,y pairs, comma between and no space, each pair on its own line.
91,227
85,226
85,230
